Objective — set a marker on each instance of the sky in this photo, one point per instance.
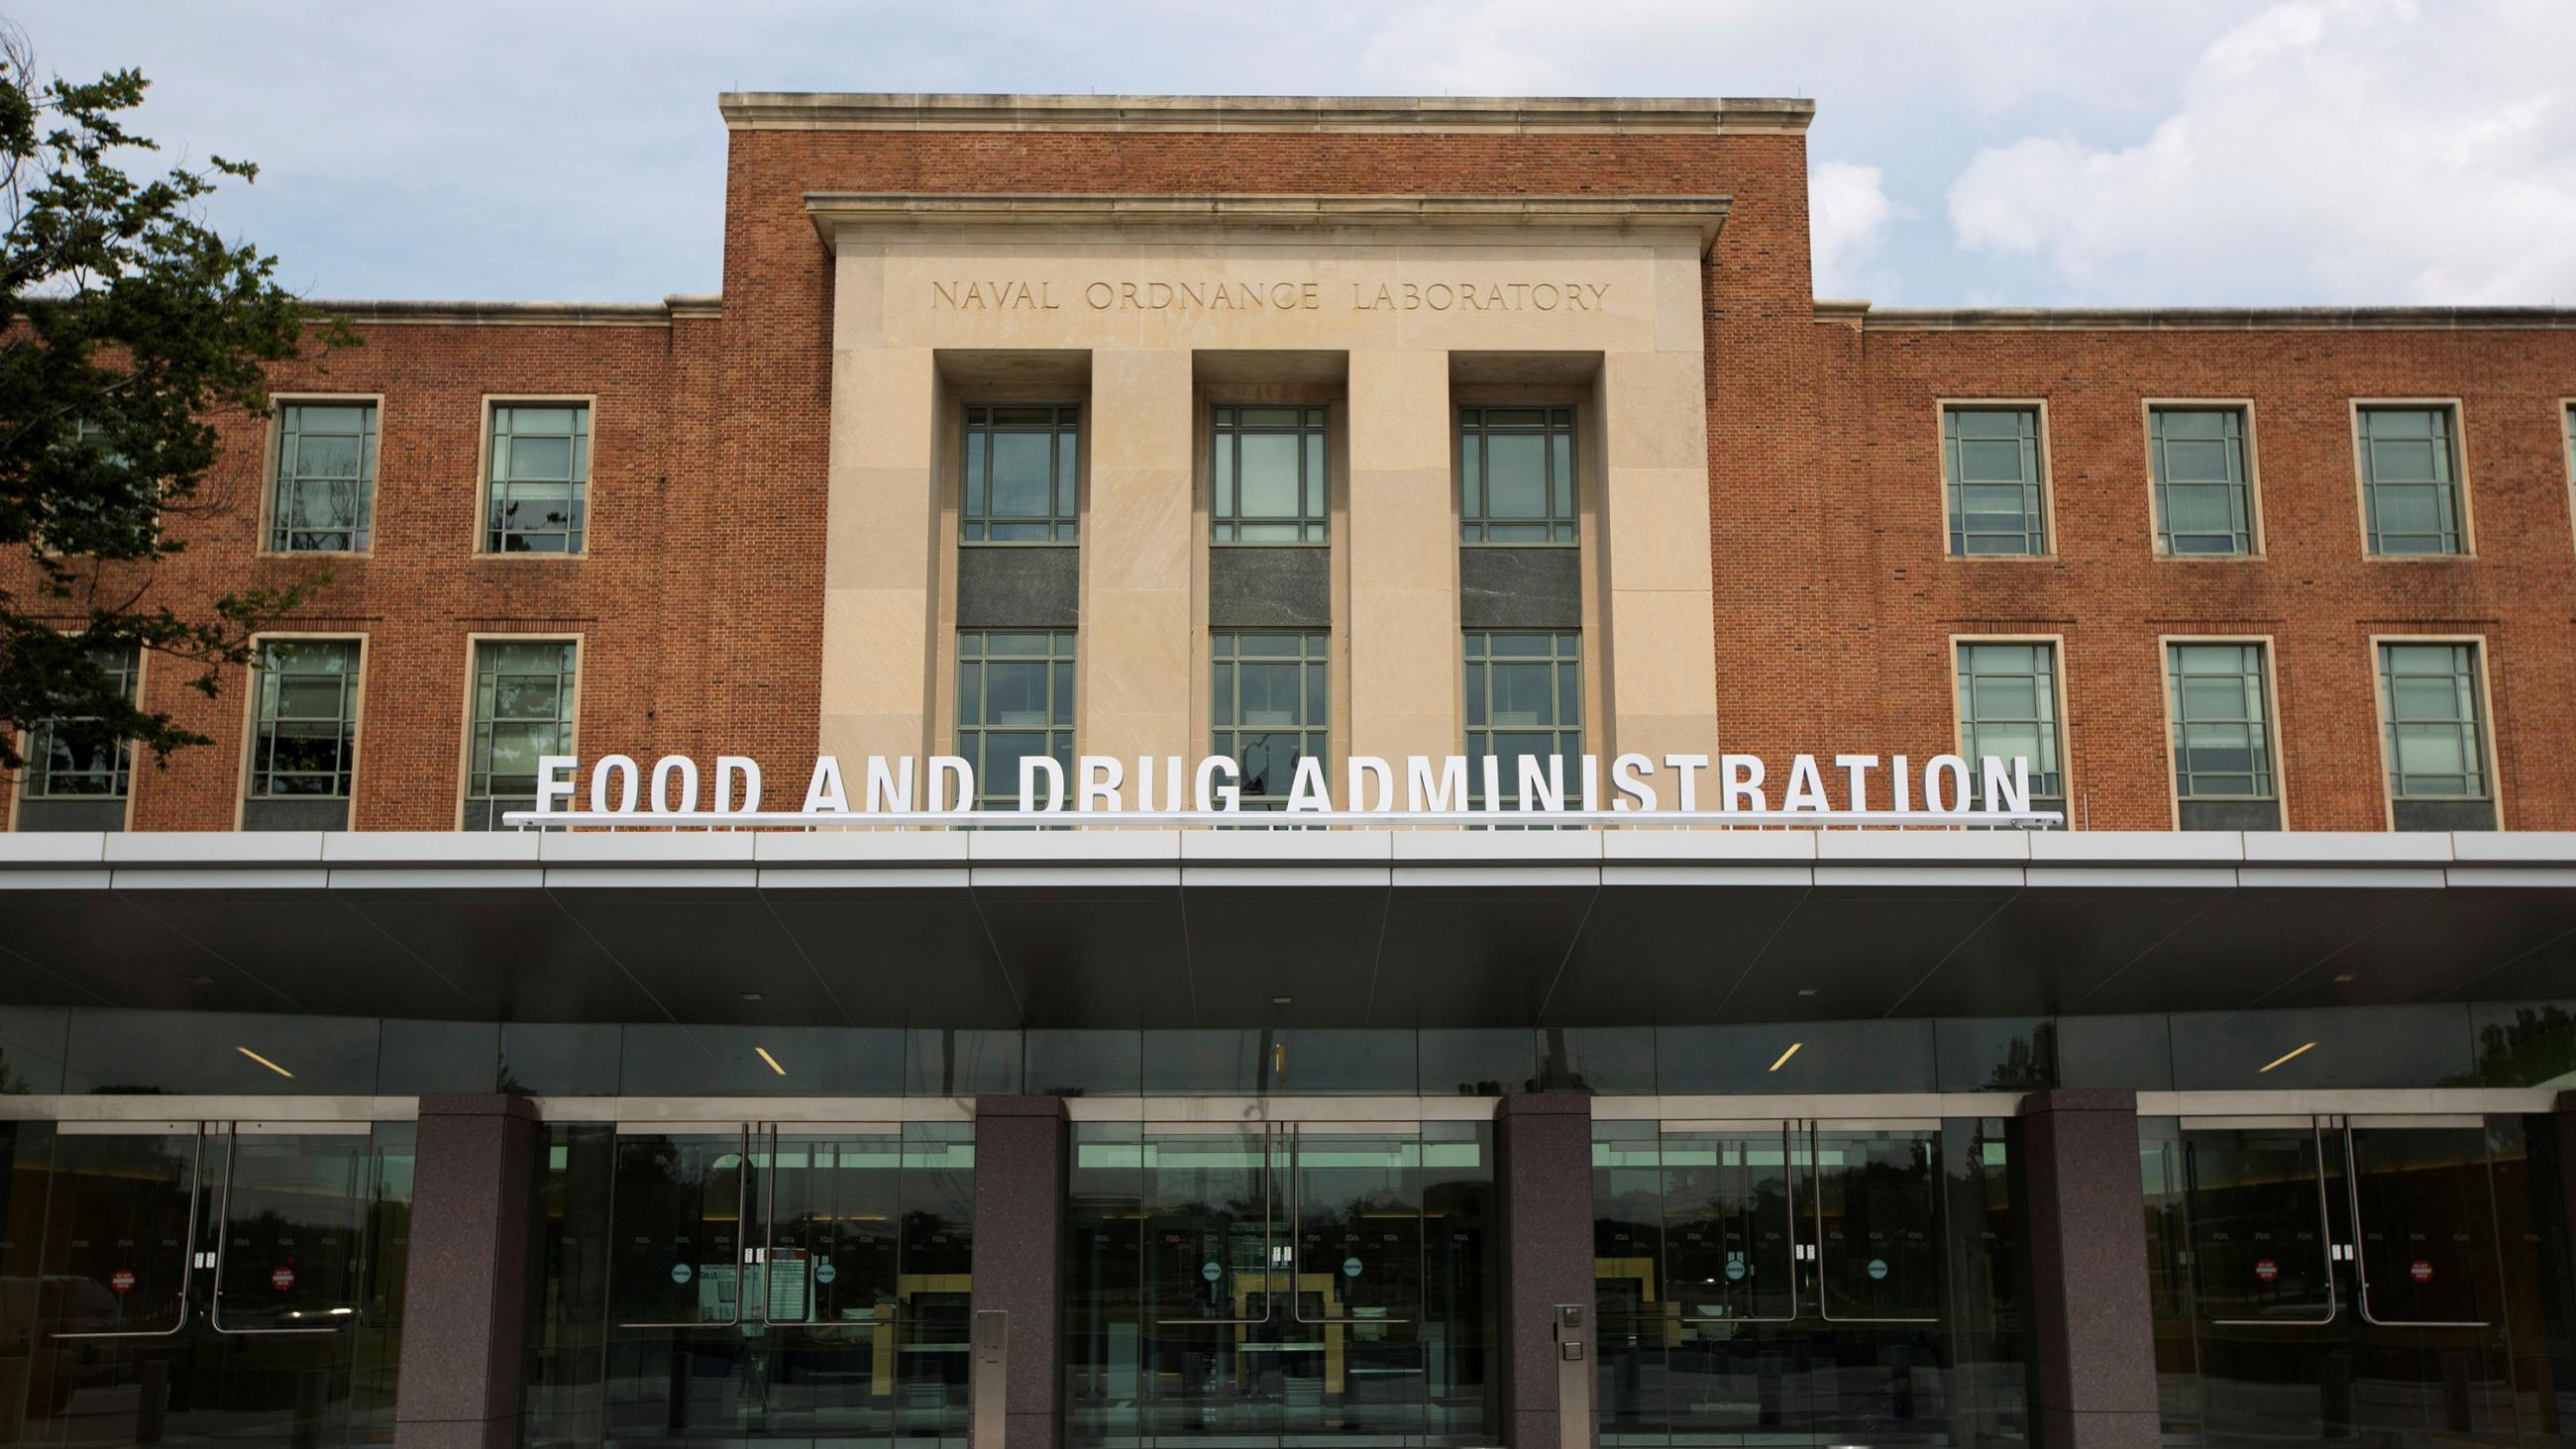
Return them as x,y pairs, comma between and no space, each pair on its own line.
1994,153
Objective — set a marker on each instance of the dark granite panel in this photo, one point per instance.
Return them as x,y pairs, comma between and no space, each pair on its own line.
1022,1153
2231,815
295,815
465,1317
2092,1345
1520,588
1270,588
71,815
1020,587
2445,815
1543,1167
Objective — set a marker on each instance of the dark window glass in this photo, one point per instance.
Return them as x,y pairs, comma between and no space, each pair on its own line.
1022,469
2349,1046
1995,1054
324,496
2432,715
523,709
1516,475
1269,709
1014,702
218,1053
1267,475
1524,697
2204,504
1990,459
2221,710
2410,481
1807,1056
66,761
2008,709
536,498
305,744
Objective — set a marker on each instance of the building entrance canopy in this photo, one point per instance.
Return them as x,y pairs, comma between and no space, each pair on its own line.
1156,928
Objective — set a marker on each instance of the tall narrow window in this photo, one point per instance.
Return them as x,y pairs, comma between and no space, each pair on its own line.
2008,709
1269,709
1023,469
75,780
1524,700
2410,481
2222,736
2204,503
2433,722
1516,475
537,496
1014,701
523,708
304,744
1267,472
1990,460
325,495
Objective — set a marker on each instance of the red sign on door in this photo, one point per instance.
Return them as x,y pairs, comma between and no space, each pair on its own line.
2266,1270
2420,1271
282,1279
122,1280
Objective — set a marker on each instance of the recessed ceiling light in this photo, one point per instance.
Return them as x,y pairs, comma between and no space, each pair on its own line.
2347,976
201,981
751,996
1283,1001
1806,991
2302,1049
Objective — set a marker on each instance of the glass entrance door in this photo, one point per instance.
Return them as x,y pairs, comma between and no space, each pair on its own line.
2336,1277
1803,1281
1276,1283
202,1280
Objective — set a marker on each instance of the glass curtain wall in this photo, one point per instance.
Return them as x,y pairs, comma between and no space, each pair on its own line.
202,1283
2330,1280
1793,1282
753,1281
1269,1284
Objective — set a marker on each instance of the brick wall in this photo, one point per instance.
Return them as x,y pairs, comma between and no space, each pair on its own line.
700,599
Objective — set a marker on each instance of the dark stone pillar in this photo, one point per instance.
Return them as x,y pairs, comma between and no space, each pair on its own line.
1543,1177
2093,1351
1022,1155
465,1311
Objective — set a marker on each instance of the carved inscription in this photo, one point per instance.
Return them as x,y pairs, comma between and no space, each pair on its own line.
1222,295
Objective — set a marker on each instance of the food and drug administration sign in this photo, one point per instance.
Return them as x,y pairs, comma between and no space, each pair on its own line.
1101,790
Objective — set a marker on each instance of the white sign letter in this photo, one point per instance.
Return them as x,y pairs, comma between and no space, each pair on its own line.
1307,792
554,781
728,768
1743,775
1856,768
1540,791
952,767
889,785
1689,766
1957,770
1101,777
1212,796
825,790
1364,768
2009,793
1806,786
1425,791
1628,776
687,771
619,765
1032,766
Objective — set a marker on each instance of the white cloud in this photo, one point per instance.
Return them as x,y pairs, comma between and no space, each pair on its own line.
1848,213
2323,150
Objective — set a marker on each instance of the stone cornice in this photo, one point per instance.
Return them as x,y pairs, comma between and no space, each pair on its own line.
1515,115
1849,313
376,312
949,211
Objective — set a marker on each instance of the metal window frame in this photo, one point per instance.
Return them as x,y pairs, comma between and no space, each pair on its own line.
263,735
1566,739
1062,520
1225,441
2037,524
479,726
128,670
188,1236
286,485
1064,646
892,1131
2451,494
1313,657
2325,1223
741,1207
1269,1220
1564,526
2360,1253
224,1216
1816,1128
1296,1225
2468,685
2257,690
2243,539
1789,1180
495,537
2051,697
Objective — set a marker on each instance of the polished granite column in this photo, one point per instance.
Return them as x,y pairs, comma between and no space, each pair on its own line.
1543,1180
2092,1346
1022,1155
465,1308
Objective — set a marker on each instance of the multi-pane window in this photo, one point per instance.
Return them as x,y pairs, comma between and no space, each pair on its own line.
2008,709
2434,721
1014,700
2222,735
63,764
1269,709
1023,471
536,499
2204,504
523,709
1516,475
304,744
2410,481
324,500
1990,460
1524,698
1267,473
